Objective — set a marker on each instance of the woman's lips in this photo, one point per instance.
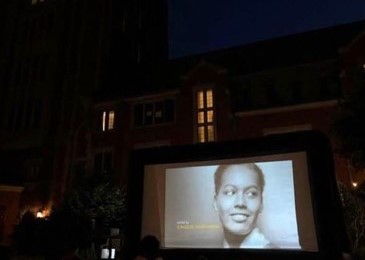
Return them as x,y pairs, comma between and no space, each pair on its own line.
239,217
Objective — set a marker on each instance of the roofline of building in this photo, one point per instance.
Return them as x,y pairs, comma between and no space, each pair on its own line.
11,188
285,109
152,96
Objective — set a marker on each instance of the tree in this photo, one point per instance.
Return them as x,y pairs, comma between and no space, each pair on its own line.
97,197
30,236
349,124
354,215
94,204
348,130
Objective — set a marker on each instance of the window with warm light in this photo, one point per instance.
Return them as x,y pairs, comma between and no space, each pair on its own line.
107,120
205,116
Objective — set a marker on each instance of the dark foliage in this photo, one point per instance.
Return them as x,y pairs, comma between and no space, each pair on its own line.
353,204
30,235
63,232
98,198
88,209
349,125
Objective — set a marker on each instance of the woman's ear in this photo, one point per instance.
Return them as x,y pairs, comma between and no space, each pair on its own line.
215,206
261,206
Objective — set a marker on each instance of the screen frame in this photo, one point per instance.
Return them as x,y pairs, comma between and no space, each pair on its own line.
326,203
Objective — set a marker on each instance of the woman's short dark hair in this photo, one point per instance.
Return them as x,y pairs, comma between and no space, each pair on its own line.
223,167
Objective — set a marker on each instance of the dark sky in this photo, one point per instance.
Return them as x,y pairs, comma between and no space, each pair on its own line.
201,25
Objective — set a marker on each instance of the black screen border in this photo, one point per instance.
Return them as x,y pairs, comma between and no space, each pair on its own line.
329,224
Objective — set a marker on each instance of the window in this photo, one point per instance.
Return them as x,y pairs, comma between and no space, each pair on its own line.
286,129
297,91
36,1
124,22
106,122
273,95
37,117
154,112
23,32
205,116
50,23
140,19
33,173
139,53
103,162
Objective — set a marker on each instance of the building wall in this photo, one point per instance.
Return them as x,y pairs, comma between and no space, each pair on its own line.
314,111
10,197
55,55
353,77
353,61
60,58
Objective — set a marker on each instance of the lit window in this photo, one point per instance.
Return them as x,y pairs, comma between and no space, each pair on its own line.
104,121
107,120
210,116
200,99
209,98
201,134
111,120
210,133
205,116
200,117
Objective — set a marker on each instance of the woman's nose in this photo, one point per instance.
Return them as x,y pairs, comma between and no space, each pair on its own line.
240,200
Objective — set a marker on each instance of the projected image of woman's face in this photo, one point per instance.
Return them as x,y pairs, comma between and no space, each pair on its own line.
238,199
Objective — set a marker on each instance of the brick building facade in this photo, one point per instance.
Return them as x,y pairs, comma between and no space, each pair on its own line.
82,83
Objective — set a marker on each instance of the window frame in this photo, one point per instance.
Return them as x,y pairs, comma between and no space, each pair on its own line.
152,102
205,109
103,122
103,152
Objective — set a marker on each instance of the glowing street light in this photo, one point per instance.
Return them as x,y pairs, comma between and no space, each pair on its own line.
40,214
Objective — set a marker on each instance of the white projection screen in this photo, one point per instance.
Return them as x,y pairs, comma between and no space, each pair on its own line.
178,203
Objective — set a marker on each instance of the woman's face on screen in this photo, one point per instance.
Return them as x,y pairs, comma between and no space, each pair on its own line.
239,199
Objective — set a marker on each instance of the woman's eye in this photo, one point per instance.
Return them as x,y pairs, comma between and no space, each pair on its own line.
229,192
251,194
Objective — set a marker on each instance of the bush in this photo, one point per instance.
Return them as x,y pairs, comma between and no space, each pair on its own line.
91,206
98,198
354,215
30,235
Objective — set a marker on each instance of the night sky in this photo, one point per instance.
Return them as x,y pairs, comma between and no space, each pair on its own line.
197,26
